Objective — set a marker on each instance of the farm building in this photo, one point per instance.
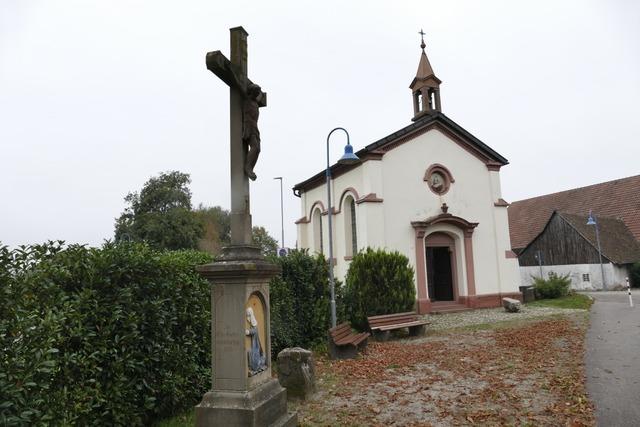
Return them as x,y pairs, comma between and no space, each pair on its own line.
551,233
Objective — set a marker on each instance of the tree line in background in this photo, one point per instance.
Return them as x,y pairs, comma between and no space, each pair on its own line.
162,215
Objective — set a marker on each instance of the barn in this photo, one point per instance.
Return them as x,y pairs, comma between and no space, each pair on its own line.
567,233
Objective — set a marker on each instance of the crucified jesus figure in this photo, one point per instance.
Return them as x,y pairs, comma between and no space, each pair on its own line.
250,131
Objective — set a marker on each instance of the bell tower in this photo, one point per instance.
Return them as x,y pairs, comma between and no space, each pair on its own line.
425,88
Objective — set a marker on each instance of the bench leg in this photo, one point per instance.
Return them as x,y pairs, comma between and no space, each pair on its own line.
345,352
382,336
419,330
363,345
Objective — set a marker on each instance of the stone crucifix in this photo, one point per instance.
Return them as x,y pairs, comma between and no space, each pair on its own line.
245,100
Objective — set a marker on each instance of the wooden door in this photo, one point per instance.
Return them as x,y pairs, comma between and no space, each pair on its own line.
439,274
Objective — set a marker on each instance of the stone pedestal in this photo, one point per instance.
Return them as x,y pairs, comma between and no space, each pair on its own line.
241,396
296,372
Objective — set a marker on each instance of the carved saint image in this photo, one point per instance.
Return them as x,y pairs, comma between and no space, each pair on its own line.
250,131
255,355
437,182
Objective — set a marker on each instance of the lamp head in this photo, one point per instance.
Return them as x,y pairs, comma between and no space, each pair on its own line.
591,220
348,158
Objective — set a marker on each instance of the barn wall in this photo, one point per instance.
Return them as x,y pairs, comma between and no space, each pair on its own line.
614,275
560,244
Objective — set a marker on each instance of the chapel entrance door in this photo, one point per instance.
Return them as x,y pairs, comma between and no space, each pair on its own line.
439,273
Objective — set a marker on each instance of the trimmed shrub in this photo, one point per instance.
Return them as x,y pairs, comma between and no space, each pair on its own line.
300,302
117,335
378,282
553,287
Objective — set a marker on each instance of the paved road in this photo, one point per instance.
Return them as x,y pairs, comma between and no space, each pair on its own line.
613,358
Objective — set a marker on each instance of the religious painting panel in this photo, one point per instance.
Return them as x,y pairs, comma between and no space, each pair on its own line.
255,334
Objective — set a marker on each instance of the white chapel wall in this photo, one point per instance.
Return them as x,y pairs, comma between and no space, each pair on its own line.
398,180
471,196
351,179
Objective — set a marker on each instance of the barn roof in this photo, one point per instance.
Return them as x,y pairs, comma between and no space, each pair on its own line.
617,243
619,198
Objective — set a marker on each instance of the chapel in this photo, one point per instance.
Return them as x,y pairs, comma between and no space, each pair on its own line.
430,190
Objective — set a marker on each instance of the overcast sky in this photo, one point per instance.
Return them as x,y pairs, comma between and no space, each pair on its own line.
98,96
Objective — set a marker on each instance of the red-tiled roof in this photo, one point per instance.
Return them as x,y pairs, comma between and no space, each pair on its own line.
619,198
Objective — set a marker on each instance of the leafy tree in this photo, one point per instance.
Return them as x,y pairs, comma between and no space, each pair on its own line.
217,232
217,228
161,214
268,245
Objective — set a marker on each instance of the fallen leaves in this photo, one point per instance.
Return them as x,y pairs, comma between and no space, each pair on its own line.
528,374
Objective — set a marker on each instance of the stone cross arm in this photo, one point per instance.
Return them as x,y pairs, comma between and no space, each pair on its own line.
231,74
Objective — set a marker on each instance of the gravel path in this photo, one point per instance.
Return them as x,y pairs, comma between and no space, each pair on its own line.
491,315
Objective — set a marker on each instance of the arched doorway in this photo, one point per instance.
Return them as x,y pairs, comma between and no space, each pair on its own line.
442,283
442,262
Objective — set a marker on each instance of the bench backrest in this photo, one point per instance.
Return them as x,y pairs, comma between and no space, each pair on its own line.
392,319
340,331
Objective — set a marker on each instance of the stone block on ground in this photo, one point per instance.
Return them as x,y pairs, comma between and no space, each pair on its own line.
511,305
296,372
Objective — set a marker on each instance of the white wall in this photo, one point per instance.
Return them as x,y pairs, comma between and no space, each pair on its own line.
398,180
471,196
614,275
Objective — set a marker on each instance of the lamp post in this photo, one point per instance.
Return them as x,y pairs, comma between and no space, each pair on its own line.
348,158
592,221
281,211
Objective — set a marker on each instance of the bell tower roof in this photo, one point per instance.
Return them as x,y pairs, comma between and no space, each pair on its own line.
425,87
424,68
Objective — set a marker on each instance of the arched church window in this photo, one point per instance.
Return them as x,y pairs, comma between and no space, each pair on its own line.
317,231
350,227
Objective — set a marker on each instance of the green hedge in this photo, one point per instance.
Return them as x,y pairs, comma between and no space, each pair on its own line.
378,282
553,287
300,302
117,335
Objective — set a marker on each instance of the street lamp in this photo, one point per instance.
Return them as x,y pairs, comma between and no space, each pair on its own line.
592,221
281,211
348,158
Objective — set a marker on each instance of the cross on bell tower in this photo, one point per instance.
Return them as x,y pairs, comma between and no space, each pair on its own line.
425,87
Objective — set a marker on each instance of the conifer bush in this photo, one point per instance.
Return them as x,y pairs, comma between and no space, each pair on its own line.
378,282
117,335
554,286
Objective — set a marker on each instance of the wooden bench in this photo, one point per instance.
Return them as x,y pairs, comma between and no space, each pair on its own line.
382,325
345,344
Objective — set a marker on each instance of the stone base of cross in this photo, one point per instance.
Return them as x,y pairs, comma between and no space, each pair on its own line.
243,393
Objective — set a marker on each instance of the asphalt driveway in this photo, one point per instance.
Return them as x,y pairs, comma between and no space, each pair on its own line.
613,358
